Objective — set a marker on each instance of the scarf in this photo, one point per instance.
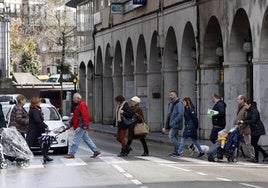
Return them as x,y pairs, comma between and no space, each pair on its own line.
118,113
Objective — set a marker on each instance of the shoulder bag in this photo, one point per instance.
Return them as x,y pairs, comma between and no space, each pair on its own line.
141,129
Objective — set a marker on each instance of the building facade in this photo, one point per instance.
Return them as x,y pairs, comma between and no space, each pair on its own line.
197,47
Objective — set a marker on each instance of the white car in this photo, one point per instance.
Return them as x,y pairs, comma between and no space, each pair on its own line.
54,121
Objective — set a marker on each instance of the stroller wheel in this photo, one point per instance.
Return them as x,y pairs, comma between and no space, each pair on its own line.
3,165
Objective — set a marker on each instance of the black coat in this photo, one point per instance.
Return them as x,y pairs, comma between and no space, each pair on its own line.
36,126
191,123
2,118
220,118
127,113
253,119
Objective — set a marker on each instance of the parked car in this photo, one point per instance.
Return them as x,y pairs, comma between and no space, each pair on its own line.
8,98
54,121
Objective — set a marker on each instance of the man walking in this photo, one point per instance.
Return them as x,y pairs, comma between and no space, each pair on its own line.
218,119
245,129
174,120
80,123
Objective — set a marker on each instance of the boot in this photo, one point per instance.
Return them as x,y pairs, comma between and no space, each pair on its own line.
122,153
47,159
127,150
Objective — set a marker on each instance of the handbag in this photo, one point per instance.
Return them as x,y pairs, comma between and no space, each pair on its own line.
141,129
129,121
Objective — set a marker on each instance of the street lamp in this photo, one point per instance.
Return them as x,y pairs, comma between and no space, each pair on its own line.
75,80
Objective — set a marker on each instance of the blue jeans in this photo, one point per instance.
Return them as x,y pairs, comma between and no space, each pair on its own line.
196,143
80,134
173,136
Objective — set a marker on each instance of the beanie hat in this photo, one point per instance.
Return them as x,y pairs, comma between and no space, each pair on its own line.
136,99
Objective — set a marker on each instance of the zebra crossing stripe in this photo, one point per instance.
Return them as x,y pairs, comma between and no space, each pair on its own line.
73,162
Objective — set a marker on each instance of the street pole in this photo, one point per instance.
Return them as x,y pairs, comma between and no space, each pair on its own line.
61,68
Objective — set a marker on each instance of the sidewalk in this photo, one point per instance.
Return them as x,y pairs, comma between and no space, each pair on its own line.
157,137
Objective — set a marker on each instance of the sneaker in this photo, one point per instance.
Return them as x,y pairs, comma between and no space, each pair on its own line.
253,160
69,156
174,154
145,154
200,155
95,154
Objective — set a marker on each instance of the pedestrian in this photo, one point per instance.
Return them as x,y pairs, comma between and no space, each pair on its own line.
219,118
257,129
122,110
137,111
37,127
174,121
80,123
2,118
190,126
244,128
19,116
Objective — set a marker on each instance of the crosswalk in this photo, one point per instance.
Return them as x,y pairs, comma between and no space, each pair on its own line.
113,159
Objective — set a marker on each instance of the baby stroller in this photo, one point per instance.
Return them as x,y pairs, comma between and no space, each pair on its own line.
229,149
14,148
47,139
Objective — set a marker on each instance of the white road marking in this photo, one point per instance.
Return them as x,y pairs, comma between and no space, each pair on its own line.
156,159
201,173
35,163
73,162
128,175
137,182
113,160
249,185
175,167
223,179
117,167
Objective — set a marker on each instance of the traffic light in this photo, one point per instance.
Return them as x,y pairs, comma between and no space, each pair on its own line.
75,80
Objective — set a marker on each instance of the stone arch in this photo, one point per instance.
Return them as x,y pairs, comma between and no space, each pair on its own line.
211,69
82,79
187,65
154,81
170,66
108,98
117,70
98,87
90,85
141,74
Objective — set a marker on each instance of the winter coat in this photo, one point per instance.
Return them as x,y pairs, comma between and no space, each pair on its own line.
138,113
219,119
241,114
81,116
175,115
2,118
19,118
253,119
190,122
127,112
36,126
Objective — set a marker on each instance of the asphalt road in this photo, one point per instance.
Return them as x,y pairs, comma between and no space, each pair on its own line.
156,171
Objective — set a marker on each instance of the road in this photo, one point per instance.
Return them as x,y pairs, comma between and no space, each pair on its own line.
156,171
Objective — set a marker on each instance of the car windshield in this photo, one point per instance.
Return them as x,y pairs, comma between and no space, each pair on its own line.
5,98
50,113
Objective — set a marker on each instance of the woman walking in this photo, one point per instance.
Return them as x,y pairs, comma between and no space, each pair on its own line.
257,129
37,127
19,117
136,109
122,110
191,125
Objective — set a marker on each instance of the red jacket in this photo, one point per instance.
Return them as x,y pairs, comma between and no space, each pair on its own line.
81,116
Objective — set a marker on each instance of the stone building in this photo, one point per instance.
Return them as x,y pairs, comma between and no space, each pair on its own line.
196,47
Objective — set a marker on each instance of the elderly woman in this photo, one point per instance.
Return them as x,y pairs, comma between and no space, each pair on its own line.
37,127
136,109
19,116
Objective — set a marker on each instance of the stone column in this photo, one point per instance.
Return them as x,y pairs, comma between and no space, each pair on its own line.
98,102
108,100
260,88
155,100
235,83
